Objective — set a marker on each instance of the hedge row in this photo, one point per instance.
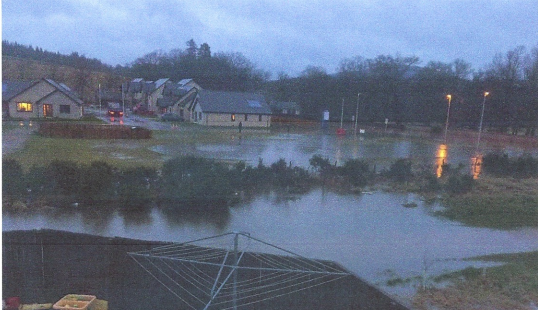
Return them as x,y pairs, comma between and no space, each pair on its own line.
92,131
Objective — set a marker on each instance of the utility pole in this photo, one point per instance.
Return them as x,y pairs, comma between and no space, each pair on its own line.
357,113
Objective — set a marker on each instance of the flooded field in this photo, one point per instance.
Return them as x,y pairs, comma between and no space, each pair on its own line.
372,234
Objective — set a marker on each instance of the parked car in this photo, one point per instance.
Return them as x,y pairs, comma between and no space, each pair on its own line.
115,112
171,117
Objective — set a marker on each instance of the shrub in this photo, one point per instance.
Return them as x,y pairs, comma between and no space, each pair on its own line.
460,183
400,170
12,178
65,176
356,172
96,182
195,180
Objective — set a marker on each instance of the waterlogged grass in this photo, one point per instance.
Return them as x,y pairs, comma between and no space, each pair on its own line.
512,285
40,151
501,203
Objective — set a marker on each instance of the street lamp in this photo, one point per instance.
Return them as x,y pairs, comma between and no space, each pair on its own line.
357,113
481,120
449,97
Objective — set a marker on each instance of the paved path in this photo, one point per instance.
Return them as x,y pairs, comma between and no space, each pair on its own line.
14,139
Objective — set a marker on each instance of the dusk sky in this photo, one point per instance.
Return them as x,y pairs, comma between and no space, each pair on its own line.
277,35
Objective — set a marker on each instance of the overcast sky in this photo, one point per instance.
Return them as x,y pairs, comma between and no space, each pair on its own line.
277,35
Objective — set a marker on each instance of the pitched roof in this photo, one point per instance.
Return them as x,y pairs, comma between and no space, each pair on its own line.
285,105
65,90
12,88
232,102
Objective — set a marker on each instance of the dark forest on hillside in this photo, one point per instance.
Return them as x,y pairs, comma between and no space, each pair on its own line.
399,88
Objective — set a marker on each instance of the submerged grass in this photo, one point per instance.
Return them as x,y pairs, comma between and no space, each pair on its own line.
501,203
513,285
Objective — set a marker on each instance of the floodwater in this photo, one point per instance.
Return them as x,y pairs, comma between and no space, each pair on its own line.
297,149
372,235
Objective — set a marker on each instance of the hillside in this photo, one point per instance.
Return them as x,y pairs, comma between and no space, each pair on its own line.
81,79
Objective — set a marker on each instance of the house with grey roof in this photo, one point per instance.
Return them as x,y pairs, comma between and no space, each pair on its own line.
223,108
43,98
146,94
285,108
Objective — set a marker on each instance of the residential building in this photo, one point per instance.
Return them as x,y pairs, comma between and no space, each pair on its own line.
44,98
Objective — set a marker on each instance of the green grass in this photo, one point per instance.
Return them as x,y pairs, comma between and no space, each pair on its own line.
512,285
496,203
39,151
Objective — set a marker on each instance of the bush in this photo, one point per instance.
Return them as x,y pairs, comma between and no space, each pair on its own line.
400,170
356,172
12,178
96,181
460,183
136,186
193,179
501,165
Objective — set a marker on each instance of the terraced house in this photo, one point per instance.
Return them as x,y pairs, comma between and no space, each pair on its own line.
43,98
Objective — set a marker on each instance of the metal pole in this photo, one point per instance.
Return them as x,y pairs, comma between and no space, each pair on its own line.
481,120
357,112
449,97
100,114
342,115
122,99
236,246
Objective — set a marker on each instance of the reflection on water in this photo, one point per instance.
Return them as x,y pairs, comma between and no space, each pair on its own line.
368,234
440,159
476,166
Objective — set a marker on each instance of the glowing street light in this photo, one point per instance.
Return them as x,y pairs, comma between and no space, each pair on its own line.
449,97
481,120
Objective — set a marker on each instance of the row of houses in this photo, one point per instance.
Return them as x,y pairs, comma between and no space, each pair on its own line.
47,98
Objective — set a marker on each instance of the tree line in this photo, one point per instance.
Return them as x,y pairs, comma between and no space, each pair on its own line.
397,88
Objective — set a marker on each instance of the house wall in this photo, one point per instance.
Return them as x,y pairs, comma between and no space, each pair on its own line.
152,99
225,119
57,99
31,95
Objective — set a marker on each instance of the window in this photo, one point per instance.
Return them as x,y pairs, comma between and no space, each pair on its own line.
24,107
246,117
200,115
233,117
64,108
259,118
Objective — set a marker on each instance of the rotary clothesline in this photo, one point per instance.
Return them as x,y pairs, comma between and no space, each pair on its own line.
202,276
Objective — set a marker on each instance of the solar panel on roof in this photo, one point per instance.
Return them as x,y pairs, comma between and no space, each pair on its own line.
254,103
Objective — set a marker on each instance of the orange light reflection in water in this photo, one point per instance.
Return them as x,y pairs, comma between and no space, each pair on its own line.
440,161
476,166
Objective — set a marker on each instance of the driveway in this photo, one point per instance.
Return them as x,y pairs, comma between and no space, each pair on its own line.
14,139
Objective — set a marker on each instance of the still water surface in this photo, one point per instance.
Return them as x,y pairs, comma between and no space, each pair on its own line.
372,234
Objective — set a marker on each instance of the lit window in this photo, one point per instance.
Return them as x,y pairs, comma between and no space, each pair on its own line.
24,107
233,117
64,108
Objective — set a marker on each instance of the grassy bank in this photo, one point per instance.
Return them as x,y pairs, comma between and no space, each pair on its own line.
501,203
511,286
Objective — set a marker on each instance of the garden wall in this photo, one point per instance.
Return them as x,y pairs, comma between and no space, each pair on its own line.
92,131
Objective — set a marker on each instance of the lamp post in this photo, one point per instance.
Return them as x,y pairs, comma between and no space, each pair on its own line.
481,120
449,97
357,113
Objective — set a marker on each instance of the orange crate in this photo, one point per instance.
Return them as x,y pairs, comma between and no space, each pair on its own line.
74,302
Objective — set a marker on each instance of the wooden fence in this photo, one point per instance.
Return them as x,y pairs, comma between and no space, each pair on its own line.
92,131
